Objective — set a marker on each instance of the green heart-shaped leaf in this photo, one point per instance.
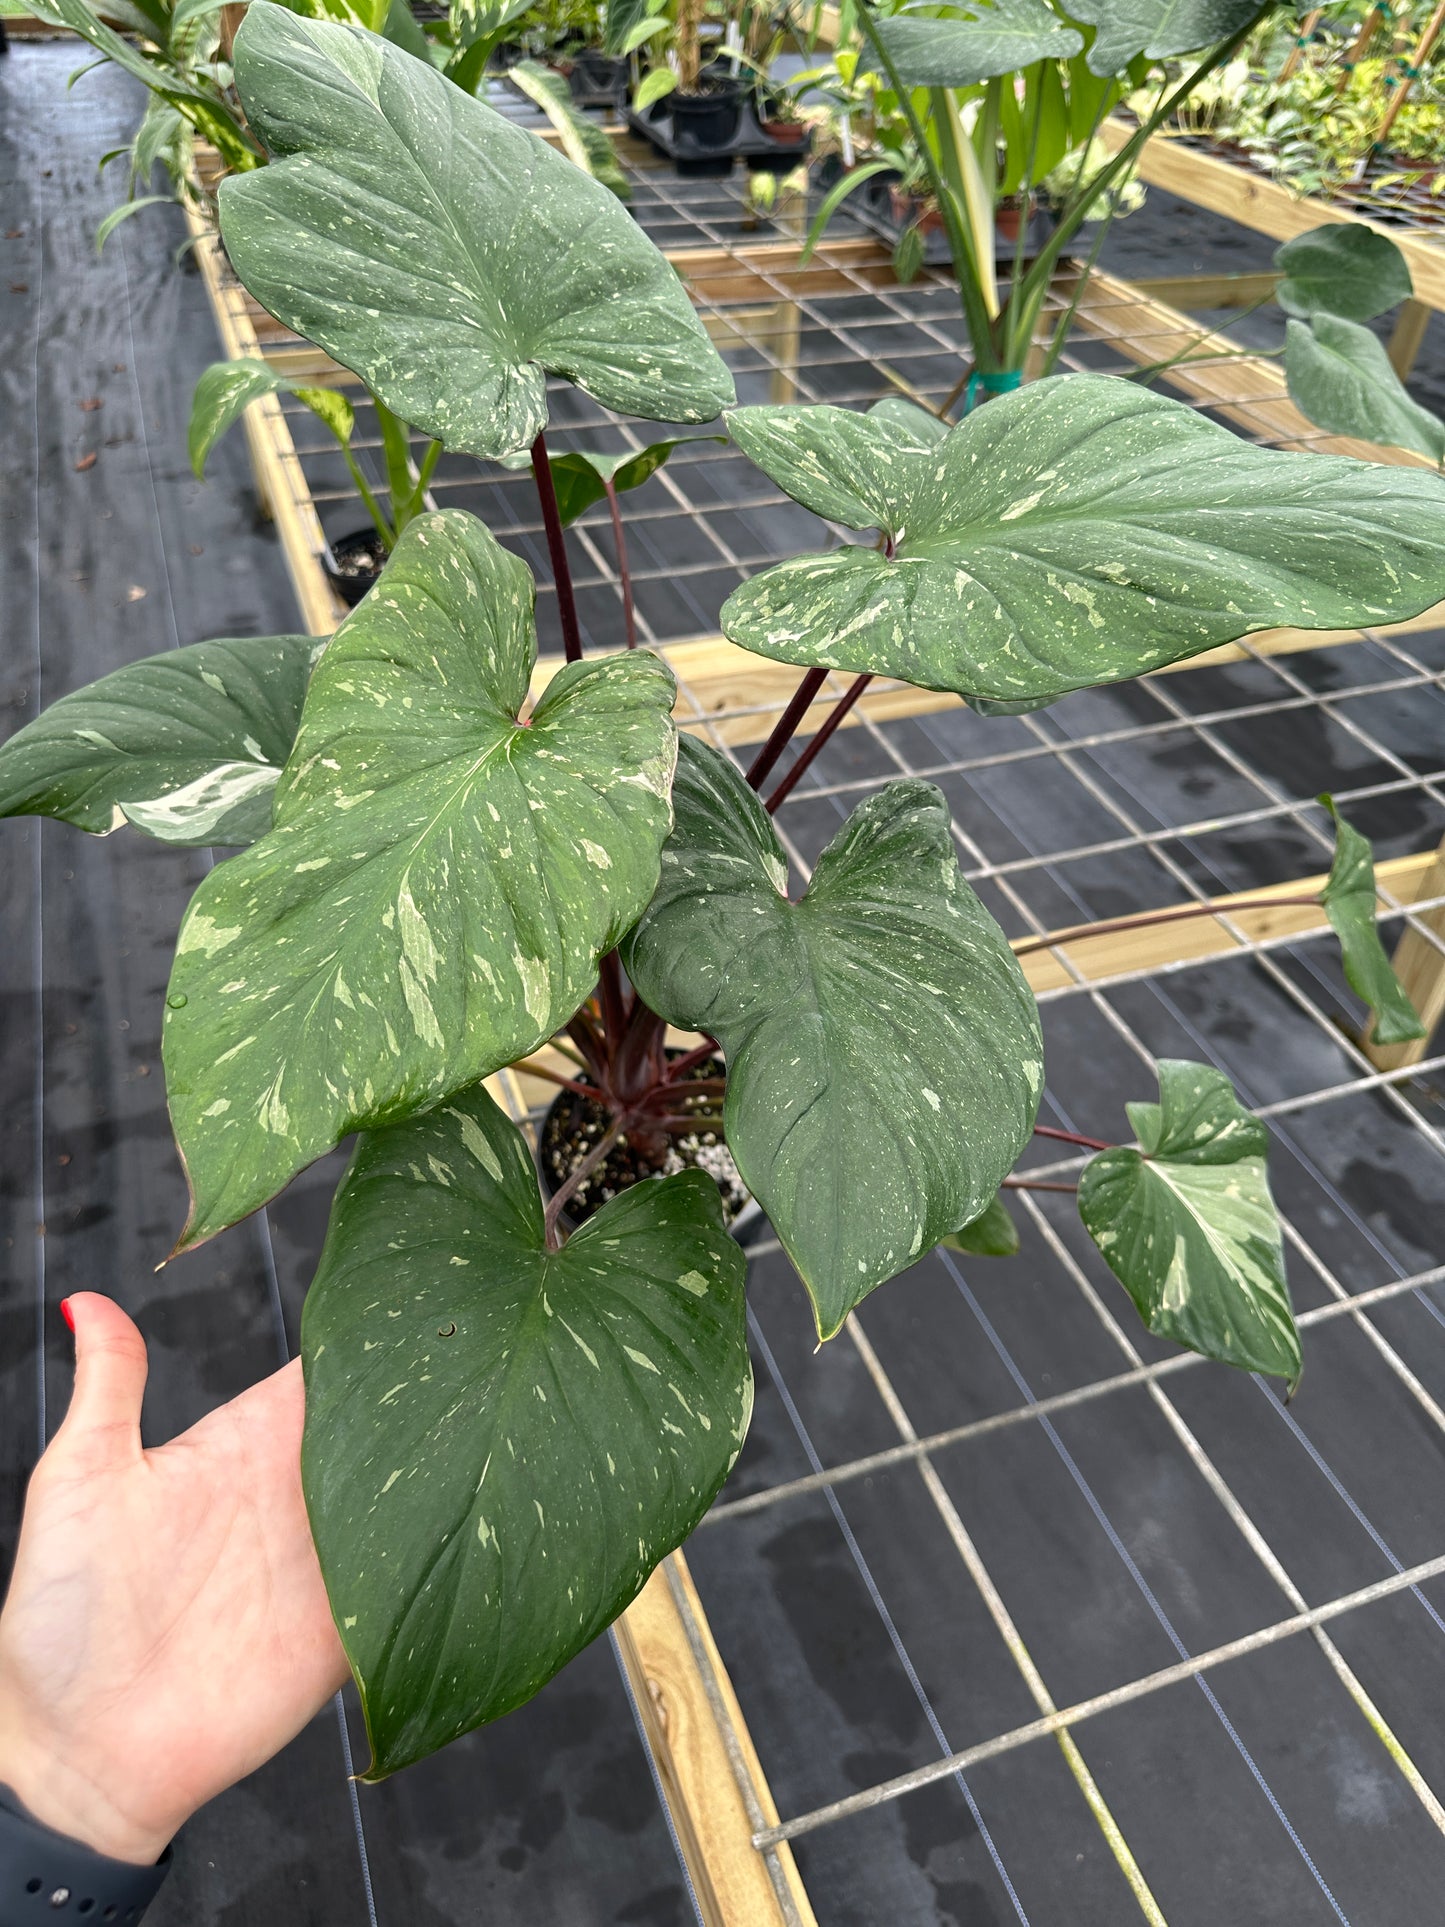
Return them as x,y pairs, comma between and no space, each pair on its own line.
984,41
1349,901
883,1050
448,257
1343,268
580,477
1340,377
187,746
1188,1225
502,1441
226,390
1077,532
1157,28
440,883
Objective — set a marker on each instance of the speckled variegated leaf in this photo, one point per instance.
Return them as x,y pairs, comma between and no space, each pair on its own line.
187,746
1340,378
1077,532
1188,1225
883,1050
501,1441
976,42
446,255
1158,28
1349,901
440,882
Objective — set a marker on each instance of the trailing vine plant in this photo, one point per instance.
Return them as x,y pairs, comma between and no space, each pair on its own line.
445,862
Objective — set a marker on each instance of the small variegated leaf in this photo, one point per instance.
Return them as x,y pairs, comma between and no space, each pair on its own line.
1349,901
502,1441
444,254
1341,379
440,883
226,390
1343,268
188,746
1188,1227
1079,531
883,1051
992,1234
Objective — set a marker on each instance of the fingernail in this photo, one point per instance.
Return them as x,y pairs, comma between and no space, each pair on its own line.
67,1314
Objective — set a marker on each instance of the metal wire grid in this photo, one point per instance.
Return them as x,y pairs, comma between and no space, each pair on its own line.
1180,859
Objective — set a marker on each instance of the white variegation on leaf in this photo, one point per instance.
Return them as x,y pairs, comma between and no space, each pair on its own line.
1080,531
883,1051
447,256
440,882
1189,1228
502,1441
976,42
187,746
1159,29
1341,379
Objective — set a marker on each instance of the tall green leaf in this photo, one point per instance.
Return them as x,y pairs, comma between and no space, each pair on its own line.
502,1441
883,1049
1343,268
585,144
1349,901
976,43
1159,29
1189,1228
187,746
448,257
226,390
440,883
1340,377
1077,532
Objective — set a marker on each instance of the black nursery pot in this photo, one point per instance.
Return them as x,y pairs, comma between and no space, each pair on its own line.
353,563
571,1126
708,120
597,78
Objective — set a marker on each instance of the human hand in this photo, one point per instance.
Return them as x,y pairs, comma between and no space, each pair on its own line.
166,1629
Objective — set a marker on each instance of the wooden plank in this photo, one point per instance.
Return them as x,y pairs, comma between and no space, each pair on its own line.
1408,336
1191,291
1257,202
700,1742
1420,968
1117,953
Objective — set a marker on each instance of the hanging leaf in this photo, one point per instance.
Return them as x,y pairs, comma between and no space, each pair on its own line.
187,746
580,477
445,255
440,883
883,1049
1343,268
226,390
993,1234
585,143
921,427
478,28
1188,1227
908,255
1349,901
653,87
502,1441
986,41
1079,531
1340,378
1159,29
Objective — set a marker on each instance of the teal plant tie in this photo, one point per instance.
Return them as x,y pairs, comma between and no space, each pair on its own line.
996,381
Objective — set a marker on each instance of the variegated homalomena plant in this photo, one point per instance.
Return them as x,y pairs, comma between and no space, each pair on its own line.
444,864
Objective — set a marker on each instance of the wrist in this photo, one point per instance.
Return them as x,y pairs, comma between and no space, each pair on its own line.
62,1795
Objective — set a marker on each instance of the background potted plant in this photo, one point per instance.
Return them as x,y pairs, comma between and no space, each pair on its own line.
440,871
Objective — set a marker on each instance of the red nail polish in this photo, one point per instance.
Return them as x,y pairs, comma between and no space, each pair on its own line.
67,1314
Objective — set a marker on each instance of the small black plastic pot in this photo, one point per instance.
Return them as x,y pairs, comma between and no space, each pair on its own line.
597,79
353,564
708,122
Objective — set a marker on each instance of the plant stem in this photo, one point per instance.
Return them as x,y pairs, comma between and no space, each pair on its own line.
1056,938
614,997
820,738
624,574
529,1069
567,1190
567,1050
1061,333
373,507
699,1054
783,729
557,549
702,1121
1034,1184
1072,1137
670,1090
